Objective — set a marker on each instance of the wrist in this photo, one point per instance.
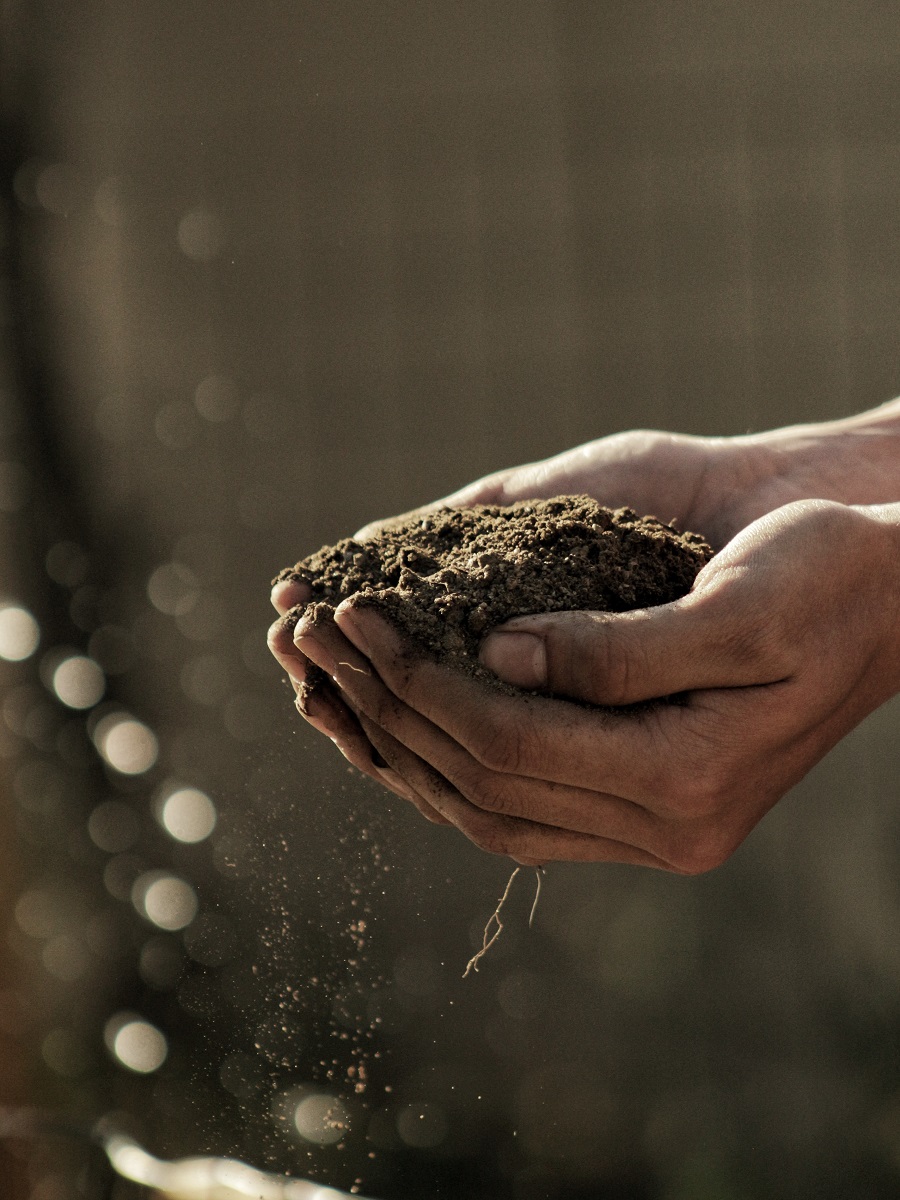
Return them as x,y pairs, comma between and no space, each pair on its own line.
855,460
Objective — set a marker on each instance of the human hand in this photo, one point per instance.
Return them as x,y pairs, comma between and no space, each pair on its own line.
698,482
715,486
787,640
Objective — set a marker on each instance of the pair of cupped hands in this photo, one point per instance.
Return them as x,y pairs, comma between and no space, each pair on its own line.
788,638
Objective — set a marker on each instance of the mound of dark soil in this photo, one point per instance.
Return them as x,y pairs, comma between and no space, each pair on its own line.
448,577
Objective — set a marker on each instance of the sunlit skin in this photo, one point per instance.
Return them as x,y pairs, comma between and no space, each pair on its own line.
788,639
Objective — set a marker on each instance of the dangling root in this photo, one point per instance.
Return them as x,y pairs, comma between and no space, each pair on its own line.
538,872
491,934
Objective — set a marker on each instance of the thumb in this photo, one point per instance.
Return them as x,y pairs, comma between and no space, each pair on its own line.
622,658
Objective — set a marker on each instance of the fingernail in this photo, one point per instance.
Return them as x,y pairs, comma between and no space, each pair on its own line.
518,658
316,651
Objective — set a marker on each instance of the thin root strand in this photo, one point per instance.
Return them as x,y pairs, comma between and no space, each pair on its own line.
494,926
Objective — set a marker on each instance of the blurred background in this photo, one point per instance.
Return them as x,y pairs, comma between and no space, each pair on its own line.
272,269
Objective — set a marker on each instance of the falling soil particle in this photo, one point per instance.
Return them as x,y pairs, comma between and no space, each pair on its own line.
447,577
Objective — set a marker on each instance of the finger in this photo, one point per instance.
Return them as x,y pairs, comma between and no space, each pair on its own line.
325,711
394,756
627,755
288,593
280,639
700,642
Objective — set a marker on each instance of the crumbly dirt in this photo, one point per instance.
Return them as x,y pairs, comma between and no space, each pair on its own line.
448,577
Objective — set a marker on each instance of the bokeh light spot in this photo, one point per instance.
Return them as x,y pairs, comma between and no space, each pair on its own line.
79,682
19,633
135,1043
126,744
322,1119
169,902
188,815
173,589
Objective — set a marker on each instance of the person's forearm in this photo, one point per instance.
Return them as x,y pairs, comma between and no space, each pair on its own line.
855,460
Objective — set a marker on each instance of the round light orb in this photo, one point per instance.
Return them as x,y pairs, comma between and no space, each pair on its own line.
321,1119
79,682
19,633
169,902
128,745
136,1044
188,815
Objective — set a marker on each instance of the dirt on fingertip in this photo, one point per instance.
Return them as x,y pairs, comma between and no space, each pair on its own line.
446,578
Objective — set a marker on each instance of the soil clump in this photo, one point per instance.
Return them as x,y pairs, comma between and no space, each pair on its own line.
447,577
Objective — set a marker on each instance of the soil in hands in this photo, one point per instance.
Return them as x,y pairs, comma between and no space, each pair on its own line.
447,577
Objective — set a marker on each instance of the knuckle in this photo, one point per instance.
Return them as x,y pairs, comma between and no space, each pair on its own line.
398,672
487,833
612,669
490,793
607,671
704,850
498,746
385,711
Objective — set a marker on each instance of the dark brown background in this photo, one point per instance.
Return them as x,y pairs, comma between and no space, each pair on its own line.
423,241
